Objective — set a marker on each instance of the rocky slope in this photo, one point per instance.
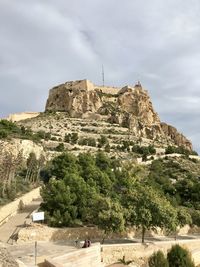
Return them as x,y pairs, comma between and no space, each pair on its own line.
25,147
129,107
6,260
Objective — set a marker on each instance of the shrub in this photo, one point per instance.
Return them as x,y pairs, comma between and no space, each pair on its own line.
71,138
179,257
103,140
41,134
74,138
91,141
3,134
158,259
82,142
60,147
107,148
67,138
47,136
124,262
180,150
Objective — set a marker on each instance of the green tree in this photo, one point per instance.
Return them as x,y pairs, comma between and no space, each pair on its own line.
195,214
179,257
158,259
58,203
148,209
107,215
64,164
183,216
102,161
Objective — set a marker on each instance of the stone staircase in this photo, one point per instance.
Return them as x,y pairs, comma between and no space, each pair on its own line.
82,257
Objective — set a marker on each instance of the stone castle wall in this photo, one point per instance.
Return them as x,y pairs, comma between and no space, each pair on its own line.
108,89
86,85
81,84
22,116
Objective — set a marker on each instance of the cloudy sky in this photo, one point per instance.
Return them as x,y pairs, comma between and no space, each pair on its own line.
44,43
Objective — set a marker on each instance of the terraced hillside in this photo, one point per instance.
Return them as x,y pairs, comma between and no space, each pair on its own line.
79,134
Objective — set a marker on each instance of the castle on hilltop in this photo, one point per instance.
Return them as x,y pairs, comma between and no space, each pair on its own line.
87,85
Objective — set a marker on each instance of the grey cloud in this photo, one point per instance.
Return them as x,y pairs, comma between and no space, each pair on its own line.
47,42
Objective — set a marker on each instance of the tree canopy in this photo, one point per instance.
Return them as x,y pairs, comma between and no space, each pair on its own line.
98,190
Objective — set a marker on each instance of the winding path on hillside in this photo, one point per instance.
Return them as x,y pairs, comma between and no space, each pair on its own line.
9,230
25,252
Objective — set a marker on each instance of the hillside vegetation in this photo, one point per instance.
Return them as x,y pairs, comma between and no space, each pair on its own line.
99,190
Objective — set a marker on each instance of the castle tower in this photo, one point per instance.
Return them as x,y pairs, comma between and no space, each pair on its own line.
138,84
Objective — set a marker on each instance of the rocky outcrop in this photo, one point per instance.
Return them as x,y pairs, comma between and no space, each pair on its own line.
130,107
25,147
6,260
74,99
178,138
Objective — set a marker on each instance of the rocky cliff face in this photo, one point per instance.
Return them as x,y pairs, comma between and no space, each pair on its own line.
130,107
14,146
172,133
73,99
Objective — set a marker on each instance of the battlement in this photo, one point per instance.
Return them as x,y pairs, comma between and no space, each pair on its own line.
87,85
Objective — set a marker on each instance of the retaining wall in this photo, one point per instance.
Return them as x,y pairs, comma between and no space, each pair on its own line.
12,208
80,258
141,252
42,232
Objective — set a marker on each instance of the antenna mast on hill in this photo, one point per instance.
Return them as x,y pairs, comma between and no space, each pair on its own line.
103,75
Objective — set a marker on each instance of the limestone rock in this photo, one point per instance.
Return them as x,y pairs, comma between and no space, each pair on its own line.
172,133
74,98
129,106
26,147
6,260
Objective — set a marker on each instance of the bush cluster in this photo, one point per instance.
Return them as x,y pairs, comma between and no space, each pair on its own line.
179,150
176,257
71,138
87,142
10,129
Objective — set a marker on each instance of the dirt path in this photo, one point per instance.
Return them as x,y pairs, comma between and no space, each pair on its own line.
8,231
